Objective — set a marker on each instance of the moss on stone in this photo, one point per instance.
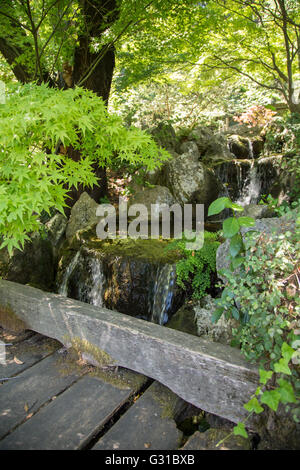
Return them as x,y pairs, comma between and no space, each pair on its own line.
10,321
74,362
166,399
102,359
152,250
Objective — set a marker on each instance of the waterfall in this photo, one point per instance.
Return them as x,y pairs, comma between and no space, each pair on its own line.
251,153
138,288
163,294
63,288
251,188
96,294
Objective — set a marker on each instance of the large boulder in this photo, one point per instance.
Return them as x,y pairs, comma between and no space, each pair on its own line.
33,265
239,146
83,215
209,142
56,230
257,211
191,148
190,181
245,147
149,196
221,331
164,135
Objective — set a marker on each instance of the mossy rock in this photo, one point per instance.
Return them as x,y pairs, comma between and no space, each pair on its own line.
210,439
184,320
152,250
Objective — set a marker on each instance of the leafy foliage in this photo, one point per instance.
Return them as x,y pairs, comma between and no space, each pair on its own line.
196,267
264,297
255,116
37,124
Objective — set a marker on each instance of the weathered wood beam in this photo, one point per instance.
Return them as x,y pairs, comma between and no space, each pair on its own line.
209,375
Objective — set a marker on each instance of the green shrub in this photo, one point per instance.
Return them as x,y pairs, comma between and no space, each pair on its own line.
195,269
264,296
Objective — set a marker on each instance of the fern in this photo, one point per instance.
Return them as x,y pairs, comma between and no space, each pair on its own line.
195,268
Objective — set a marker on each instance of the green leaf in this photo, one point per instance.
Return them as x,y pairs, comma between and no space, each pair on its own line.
235,313
271,399
282,367
230,227
218,206
236,245
236,207
286,392
253,405
217,315
287,351
240,430
246,221
236,262
265,376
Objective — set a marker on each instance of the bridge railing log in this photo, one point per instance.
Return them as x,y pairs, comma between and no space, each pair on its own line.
211,376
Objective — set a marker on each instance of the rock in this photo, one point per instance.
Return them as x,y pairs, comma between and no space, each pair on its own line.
164,135
148,196
184,320
190,181
34,265
221,331
191,148
83,215
56,228
239,146
209,142
257,146
283,186
279,431
245,147
208,441
132,276
257,211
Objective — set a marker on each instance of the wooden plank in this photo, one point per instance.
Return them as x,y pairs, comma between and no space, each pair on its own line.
71,419
148,424
209,375
21,356
27,392
12,337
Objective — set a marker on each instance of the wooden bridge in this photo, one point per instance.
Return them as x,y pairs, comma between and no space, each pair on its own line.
51,400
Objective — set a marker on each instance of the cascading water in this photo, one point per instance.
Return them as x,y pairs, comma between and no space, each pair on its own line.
251,188
136,288
63,288
163,294
251,152
96,294
246,180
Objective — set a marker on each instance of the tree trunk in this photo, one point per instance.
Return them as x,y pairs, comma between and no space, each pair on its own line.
99,82
99,15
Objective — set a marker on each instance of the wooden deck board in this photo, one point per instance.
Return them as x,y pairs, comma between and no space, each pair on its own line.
28,391
71,419
22,355
145,425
